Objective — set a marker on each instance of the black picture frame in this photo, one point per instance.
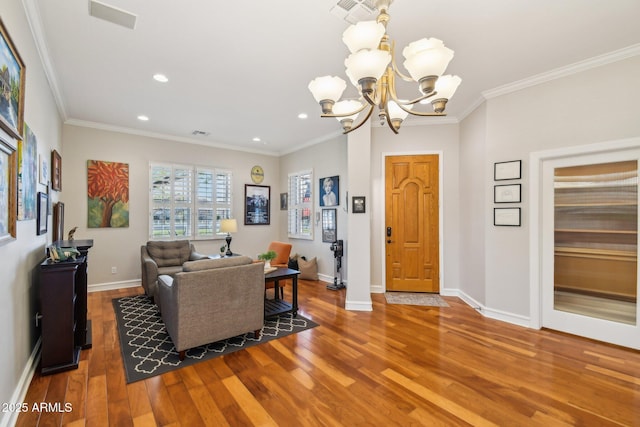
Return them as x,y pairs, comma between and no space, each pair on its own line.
43,213
503,171
508,217
358,204
257,204
329,189
329,225
507,193
284,201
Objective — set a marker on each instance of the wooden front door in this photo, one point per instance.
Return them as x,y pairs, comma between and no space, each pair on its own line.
411,221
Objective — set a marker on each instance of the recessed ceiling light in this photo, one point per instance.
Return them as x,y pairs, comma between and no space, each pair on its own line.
160,78
143,118
256,139
302,116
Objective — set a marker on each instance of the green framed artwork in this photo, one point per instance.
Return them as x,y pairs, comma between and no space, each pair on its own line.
107,194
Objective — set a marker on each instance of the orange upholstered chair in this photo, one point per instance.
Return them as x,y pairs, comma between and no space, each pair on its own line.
282,250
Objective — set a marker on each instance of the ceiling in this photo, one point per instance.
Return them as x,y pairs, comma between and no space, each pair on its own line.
240,69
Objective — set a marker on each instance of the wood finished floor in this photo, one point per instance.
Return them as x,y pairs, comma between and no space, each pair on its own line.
398,365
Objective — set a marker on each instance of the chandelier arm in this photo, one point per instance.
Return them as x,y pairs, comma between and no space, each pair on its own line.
345,114
387,116
392,92
363,121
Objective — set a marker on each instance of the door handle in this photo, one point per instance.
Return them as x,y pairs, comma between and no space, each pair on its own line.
388,241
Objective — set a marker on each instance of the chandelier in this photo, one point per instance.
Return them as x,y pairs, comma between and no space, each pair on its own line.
372,69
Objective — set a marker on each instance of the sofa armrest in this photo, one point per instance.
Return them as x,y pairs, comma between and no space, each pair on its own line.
149,272
166,301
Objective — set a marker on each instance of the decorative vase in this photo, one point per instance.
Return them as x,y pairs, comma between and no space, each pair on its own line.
267,264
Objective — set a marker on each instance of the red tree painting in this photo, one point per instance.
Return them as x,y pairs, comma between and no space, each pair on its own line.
108,194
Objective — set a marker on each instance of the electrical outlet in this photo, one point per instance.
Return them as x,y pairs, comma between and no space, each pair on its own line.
114,270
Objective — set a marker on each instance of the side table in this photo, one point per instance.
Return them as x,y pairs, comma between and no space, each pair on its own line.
275,306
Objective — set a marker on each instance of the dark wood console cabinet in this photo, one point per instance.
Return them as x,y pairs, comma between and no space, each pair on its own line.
63,309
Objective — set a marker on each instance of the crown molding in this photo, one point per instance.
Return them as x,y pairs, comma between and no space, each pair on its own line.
35,24
155,135
597,61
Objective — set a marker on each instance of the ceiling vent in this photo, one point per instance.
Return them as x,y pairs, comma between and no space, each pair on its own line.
112,14
200,133
354,11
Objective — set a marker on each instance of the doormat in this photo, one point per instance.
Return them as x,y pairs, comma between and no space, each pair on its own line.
415,298
147,349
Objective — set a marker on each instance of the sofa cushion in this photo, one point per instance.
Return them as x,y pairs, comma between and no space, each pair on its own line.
171,253
208,264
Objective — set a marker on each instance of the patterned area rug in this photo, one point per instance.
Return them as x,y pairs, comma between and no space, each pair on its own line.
147,349
415,298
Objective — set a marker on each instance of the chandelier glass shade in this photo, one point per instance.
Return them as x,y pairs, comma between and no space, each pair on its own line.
372,69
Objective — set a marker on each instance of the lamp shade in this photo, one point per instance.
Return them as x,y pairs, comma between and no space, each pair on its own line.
347,106
447,85
430,61
363,35
367,63
228,226
327,87
396,112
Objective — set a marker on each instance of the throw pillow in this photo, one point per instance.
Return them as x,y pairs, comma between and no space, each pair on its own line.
308,269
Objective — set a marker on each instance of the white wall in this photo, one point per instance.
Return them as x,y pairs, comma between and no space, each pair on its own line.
473,213
120,247
325,159
596,105
21,256
418,139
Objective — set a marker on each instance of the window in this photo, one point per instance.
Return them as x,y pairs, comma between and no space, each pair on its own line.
188,202
300,205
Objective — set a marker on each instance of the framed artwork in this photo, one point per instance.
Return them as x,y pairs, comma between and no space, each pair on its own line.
56,171
284,201
58,221
27,175
507,170
43,170
8,191
329,191
256,204
507,193
107,194
329,225
506,216
358,204
43,205
12,74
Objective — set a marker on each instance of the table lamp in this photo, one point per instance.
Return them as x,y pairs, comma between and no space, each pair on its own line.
228,226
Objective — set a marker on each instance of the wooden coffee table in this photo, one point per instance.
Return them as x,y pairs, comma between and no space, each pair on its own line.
275,306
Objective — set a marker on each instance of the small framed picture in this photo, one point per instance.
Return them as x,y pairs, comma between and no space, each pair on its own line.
506,217
43,212
56,171
329,226
507,170
507,193
358,204
329,191
284,201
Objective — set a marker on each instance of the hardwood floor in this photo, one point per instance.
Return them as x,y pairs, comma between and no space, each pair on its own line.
398,365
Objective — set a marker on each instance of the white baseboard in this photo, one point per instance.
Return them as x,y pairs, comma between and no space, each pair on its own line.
358,305
10,418
97,287
491,313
